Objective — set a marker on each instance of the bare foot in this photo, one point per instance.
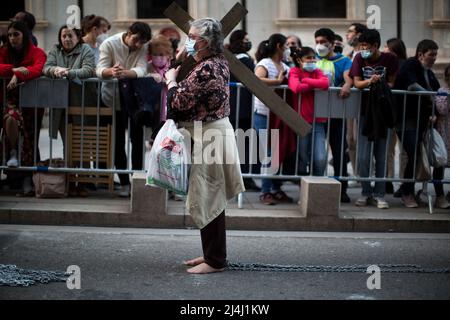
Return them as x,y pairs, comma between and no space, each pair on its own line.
204,269
194,262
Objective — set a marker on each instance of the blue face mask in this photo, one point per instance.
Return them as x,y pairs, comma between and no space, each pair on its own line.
190,44
309,66
366,54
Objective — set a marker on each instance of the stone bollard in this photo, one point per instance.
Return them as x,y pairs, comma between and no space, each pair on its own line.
147,200
320,196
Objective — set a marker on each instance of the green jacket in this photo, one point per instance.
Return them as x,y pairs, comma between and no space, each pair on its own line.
81,62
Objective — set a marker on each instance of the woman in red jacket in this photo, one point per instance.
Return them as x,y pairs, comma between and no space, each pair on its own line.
20,61
303,79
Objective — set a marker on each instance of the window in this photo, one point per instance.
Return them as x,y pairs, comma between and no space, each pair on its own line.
322,8
10,8
154,9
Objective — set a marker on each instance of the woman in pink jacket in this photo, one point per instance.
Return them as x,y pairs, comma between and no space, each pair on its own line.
303,80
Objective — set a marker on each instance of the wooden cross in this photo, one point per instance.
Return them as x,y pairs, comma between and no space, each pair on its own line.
264,93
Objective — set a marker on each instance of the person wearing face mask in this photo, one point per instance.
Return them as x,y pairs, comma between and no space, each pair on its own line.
160,53
416,75
240,45
273,71
336,67
304,78
338,44
74,60
203,96
352,36
95,32
371,66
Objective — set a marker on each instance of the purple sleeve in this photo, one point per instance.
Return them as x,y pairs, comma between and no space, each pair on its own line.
392,65
356,69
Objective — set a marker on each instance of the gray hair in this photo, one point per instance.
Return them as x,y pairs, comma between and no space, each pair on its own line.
211,30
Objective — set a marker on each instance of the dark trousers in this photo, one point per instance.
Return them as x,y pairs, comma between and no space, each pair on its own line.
337,137
137,141
214,243
408,140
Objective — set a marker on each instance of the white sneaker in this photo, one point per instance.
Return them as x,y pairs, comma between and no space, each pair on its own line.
13,162
441,203
362,202
124,191
380,203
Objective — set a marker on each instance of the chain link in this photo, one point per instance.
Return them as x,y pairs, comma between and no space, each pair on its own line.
12,276
386,268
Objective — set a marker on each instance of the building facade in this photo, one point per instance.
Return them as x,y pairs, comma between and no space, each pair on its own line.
420,19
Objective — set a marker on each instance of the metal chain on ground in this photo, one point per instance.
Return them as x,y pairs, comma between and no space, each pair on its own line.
12,276
387,268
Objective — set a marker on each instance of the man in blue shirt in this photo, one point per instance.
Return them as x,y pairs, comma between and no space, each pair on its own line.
337,67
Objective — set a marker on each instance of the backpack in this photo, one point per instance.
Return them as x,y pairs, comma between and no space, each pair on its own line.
328,69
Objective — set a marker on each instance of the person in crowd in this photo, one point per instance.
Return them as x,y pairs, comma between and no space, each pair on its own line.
240,45
293,42
371,66
73,60
273,72
442,125
338,44
124,56
304,78
160,53
416,75
336,67
398,48
21,61
352,36
174,36
204,96
30,22
95,32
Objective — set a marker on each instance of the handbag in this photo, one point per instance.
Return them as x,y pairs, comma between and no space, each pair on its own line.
50,184
435,148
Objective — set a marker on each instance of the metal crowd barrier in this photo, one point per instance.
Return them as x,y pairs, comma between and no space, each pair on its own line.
53,94
329,105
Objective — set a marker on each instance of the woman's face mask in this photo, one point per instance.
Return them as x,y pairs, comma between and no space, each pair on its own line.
286,54
190,46
101,38
160,61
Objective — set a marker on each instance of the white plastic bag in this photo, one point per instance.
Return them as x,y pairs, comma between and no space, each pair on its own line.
168,166
436,149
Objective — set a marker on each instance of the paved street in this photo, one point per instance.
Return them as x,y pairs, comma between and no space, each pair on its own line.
146,264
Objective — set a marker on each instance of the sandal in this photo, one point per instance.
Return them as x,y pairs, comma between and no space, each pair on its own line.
282,197
267,199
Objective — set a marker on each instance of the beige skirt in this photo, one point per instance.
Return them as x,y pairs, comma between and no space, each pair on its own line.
215,177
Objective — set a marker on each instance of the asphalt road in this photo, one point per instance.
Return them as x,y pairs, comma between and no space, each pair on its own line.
146,264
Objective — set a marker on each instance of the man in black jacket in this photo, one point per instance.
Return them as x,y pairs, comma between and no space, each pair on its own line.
415,75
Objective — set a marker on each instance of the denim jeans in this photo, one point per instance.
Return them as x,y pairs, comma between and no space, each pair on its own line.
320,150
365,158
268,185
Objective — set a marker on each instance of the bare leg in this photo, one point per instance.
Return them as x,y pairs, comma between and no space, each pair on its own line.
194,262
204,269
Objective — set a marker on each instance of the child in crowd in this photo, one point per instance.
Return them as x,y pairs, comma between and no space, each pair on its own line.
304,78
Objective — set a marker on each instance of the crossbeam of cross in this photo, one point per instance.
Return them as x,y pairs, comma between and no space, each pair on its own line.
264,93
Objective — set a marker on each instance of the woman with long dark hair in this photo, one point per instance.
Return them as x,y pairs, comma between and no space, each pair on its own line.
272,71
21,61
